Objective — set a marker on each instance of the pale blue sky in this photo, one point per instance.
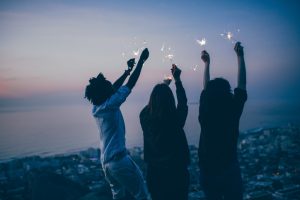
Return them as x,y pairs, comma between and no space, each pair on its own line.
52,48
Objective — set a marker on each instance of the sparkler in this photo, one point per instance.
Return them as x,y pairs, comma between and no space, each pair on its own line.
230,36
136,52
195,68
167,79
167,53
170,57
201,42
162,47
137,46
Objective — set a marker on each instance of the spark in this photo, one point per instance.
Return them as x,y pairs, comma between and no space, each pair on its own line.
170,56
162,48
195,67
167,77
201,42
136,53
229,35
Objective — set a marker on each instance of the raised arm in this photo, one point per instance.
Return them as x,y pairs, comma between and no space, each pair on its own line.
182,108
180,92
136,73
241,82
119,82
206,76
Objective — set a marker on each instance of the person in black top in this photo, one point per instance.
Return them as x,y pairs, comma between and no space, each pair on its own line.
165,145
219,114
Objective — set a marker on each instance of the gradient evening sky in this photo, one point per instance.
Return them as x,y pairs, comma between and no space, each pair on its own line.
49,49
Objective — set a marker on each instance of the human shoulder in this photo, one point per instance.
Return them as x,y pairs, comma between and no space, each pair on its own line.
144,111
240,93
239,90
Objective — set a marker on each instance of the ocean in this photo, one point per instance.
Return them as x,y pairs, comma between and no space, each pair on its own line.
49,130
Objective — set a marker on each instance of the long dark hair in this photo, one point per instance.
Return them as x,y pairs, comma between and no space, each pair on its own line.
162,102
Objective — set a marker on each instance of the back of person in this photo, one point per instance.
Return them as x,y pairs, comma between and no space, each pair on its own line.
164,141
121,172
165,145
219,115
219,120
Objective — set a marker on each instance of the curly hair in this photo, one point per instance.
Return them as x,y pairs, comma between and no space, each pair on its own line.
98,90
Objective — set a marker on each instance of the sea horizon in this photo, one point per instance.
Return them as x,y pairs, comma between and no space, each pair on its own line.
46,130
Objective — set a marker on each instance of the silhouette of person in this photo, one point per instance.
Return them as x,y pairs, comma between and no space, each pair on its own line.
121,172
219,114
165,145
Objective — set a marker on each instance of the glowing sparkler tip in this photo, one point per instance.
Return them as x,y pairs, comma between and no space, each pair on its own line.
229,35
195,67
136,53
167,77
162,48
170,56
201,42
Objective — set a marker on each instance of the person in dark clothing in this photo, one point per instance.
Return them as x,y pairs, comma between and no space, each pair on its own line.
219,114
165,145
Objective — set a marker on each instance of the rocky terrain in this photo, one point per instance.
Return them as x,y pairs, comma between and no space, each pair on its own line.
269,159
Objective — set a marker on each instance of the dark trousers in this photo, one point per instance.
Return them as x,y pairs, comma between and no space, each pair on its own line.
168,183
225,185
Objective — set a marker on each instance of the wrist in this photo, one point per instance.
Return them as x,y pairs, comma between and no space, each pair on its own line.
127,72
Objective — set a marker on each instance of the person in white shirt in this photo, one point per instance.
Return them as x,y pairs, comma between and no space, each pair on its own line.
121,172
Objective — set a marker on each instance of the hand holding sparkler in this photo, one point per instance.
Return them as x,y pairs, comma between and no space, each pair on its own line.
130,65
239,49
176,72
205,57
144,56
136,73
206,75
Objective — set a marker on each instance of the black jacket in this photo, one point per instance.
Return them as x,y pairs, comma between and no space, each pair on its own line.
219,119
165,143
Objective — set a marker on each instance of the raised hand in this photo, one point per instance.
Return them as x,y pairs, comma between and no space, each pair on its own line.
239,49
145,54
136,73
130,64
176,72
205,57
